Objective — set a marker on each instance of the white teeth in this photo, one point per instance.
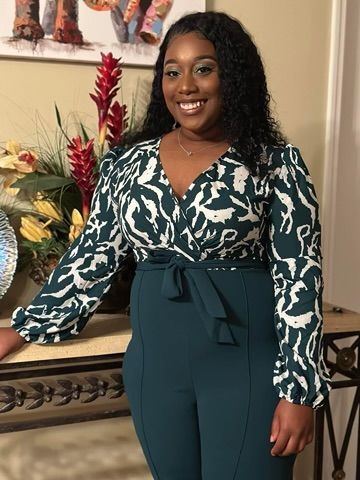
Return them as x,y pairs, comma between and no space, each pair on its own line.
191,106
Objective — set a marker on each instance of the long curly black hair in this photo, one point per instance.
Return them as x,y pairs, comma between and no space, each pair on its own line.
246,115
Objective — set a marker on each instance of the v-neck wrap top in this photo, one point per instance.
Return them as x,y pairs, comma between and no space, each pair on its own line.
227,215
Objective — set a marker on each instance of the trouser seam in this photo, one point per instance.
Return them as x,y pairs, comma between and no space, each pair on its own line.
141,385
249,373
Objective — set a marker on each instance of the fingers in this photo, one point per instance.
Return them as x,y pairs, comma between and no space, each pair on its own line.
287,444
291,429
275,428
281,442
302,445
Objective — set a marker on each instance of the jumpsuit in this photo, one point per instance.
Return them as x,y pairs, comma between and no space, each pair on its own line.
226,307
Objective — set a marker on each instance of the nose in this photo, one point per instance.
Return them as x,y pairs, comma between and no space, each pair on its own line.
187,83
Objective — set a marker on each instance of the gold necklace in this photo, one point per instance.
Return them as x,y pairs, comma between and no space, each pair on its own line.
189,153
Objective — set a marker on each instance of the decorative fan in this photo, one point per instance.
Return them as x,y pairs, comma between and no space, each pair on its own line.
8,253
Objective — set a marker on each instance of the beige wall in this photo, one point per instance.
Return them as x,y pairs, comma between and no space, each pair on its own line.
27,87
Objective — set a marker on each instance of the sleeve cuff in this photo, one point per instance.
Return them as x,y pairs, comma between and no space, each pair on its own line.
303,387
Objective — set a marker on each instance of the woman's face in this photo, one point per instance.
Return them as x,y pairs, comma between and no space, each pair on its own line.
191,84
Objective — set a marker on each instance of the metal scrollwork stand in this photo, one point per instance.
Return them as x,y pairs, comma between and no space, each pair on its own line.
347,364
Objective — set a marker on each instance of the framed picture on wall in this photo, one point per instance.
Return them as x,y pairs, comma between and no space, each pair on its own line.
78,30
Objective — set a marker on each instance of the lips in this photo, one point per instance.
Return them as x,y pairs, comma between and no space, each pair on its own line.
191,106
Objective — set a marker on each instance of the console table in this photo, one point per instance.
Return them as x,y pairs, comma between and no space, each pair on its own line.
339,324
75,381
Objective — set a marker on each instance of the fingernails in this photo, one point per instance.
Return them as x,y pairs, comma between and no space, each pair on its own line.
272,438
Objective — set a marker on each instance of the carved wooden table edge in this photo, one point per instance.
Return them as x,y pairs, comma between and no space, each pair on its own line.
339,324
79,372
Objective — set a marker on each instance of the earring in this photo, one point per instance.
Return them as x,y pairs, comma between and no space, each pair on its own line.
175,125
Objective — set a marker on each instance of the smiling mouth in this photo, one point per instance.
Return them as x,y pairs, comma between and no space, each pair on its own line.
191,106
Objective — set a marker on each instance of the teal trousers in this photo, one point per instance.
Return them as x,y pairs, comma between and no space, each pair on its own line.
198,370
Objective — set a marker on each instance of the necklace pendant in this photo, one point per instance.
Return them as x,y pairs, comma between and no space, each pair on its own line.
189,153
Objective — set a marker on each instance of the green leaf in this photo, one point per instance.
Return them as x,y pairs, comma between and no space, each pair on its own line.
24,257
85,136
42,181
46,247
59,122
58,116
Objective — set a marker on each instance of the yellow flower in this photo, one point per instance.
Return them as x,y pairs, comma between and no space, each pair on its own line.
47,207
12,150
24,161
19,162
11,178
77,225
34,230
13,147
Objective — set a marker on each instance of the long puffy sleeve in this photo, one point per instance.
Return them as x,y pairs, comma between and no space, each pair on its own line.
294,251
83,275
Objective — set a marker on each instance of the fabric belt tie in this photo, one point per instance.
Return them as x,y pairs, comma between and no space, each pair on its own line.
204,294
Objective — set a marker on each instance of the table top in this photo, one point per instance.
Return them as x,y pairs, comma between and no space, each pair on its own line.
107,334
344,321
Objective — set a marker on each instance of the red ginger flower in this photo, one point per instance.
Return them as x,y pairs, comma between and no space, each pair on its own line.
117,123
82,167
106,88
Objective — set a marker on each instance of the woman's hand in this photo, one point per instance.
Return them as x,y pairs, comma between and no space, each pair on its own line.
10,341
292,428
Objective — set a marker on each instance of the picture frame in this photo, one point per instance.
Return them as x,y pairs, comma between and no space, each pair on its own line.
130,29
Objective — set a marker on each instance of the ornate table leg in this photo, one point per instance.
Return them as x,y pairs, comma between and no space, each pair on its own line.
346,366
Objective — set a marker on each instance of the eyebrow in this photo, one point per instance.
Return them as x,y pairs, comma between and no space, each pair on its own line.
201,57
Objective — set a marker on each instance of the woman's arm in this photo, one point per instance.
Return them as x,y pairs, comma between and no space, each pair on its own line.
83,275
294,251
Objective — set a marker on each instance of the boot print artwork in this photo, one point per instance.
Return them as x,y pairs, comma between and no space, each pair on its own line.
153,22
134,21
60,21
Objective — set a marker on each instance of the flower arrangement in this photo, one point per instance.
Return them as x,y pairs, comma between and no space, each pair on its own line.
57,184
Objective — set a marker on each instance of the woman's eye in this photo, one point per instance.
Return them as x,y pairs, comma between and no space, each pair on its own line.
171,73
203,69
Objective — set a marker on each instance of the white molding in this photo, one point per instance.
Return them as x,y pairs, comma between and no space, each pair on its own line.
333,118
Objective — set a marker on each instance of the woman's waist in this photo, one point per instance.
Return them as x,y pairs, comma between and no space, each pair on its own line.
163,259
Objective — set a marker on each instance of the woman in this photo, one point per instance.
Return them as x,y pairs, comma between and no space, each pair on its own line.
225,364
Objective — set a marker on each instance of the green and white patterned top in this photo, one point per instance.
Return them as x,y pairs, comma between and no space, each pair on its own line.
225,213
